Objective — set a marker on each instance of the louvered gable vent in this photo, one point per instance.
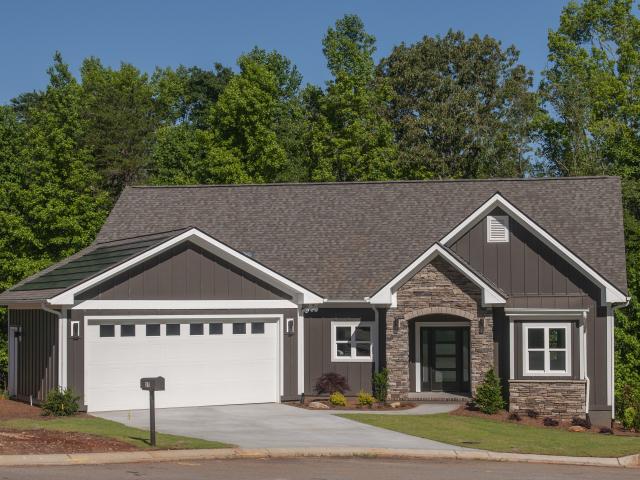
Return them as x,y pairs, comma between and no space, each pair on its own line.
497,228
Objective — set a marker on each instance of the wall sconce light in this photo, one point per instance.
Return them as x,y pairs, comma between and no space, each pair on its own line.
396,325
481,326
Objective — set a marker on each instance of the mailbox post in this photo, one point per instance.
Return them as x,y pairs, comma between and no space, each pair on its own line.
152,385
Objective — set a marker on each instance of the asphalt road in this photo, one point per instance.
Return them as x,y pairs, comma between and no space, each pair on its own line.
320,469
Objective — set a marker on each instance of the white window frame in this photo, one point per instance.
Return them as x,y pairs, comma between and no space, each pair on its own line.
353,357
503,220
525,349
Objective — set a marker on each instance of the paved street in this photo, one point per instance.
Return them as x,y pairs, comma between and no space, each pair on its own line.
273,425
320,469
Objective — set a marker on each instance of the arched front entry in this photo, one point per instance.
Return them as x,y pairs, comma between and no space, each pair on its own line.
441,352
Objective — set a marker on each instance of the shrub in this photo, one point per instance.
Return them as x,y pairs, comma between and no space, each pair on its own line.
331,382
381,384
60,402
581,422
489,394
338,399
532,413
606,430
515,416
629,407
365,398
550,422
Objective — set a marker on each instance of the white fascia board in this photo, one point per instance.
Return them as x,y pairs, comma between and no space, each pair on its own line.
385,296
610,294
209,243
183,304
546,313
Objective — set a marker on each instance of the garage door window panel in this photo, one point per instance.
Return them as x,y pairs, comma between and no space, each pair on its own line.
128,330
152,330
239,328
257,328
107,331
196,329
215,329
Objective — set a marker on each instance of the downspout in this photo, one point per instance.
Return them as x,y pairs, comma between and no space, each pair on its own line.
376,354
584,356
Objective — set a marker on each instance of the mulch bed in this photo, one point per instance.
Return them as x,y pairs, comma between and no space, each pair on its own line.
353,405
26,442
504,416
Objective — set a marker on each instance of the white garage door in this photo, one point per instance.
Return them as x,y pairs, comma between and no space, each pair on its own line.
204,362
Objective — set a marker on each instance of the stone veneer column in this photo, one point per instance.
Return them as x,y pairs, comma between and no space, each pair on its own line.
438,289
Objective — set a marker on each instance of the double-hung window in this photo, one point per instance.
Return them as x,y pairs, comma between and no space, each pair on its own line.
351,342
547,349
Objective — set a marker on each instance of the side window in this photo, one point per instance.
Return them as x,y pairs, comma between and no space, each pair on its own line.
153,330
351,341
107,330
127,330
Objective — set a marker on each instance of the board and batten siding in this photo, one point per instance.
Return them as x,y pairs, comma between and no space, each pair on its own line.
317,350
533,276
184,272
37,371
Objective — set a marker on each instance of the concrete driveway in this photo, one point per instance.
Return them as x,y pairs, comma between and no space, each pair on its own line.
271,425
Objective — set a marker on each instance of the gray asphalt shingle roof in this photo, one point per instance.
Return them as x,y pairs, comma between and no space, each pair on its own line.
346,240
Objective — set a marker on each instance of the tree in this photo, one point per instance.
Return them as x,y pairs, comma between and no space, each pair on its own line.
120,119
591,89
462,108
348,137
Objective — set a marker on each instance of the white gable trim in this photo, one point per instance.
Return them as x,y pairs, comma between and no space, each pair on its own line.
301,294
609,293
386,295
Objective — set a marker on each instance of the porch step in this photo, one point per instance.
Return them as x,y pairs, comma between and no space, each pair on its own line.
438,397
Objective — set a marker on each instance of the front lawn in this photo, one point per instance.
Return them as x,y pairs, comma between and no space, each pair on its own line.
106,428
473,432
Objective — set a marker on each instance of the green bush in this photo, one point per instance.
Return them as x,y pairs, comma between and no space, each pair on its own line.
629,406
489,394
381,384
365,398
338,399
60,402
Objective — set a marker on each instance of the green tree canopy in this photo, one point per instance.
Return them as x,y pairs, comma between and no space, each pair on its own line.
462,107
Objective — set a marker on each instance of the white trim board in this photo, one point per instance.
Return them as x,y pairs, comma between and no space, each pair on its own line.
210,244
386,295
609,293
183,304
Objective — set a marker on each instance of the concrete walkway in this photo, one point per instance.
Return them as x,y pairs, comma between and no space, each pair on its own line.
272,426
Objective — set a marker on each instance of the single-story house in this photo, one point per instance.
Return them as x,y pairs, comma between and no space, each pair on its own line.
248,293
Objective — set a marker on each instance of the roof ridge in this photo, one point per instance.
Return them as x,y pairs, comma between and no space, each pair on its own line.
382,182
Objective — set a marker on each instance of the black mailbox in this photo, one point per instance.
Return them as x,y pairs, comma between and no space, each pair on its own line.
152,384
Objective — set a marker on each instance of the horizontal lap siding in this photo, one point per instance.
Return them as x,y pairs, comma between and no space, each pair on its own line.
37,370
317,350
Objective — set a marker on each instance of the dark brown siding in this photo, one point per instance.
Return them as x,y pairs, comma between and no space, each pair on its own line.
184,272
317,350
290,343
536,277
37,353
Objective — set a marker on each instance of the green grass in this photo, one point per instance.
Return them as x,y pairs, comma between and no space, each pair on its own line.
106,428
485,434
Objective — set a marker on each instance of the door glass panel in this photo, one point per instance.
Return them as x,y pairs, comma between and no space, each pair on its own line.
557,360
445,349
443,335
536,338
445,362
536,361
465,355
557,338
442,376
424,359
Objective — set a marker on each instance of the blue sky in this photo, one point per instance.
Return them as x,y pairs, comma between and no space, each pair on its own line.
192,32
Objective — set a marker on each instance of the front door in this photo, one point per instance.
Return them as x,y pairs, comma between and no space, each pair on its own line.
444,359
